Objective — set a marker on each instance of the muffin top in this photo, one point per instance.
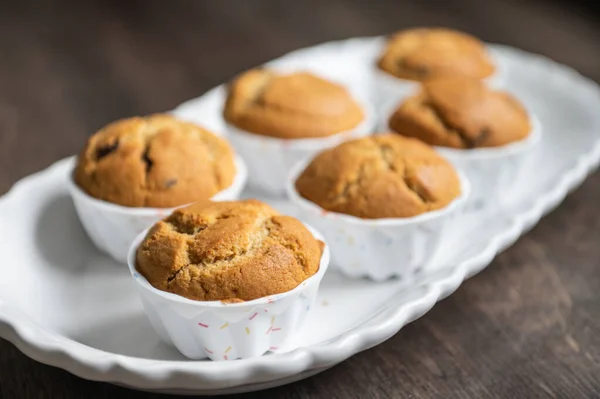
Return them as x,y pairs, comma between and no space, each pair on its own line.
155,161
293,106
228,251
423,53
383,176
461,112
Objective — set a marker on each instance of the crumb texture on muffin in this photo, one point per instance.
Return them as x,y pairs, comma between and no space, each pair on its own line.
423,53
383,176
228,251
155,161
290,106
461,112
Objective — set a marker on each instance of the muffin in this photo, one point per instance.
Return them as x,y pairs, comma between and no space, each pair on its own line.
275,120
290,106
424,53
156,161
461,112
384,176
228,251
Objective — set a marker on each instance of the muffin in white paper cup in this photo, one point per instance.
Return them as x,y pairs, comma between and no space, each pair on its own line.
491,171
385,247
422,53
113,227
228,330
270,156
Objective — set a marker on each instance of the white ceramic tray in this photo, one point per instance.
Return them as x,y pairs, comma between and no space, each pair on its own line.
65,304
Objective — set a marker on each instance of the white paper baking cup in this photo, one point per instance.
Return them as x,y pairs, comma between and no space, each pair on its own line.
113,227
387,87
492,171
380,248
270,159
228,331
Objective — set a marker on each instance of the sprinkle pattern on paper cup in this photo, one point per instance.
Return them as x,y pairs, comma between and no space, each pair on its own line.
223,339
226,352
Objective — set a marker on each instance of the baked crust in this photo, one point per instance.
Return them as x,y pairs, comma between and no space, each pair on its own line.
461,112
424,53
228,251
293,106
155,161
383,176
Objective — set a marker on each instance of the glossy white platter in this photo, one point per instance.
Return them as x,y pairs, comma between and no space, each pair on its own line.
65,304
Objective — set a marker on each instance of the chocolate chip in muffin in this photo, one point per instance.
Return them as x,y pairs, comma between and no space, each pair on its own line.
103,151
422,72
147,160
170,183
484,134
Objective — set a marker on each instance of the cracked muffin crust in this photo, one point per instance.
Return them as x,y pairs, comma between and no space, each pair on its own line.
228,251
292,106
154,161
423,53
383,176
461,112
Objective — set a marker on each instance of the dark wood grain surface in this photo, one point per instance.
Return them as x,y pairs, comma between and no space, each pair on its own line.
526,327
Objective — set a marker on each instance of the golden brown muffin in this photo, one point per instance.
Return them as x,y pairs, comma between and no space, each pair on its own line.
384,176
155,161
298,105
461,113
424,53
228,251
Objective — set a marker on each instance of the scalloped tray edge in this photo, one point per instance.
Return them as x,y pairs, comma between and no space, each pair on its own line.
93,364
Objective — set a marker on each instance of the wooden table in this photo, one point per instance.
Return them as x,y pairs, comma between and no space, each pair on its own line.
525,327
